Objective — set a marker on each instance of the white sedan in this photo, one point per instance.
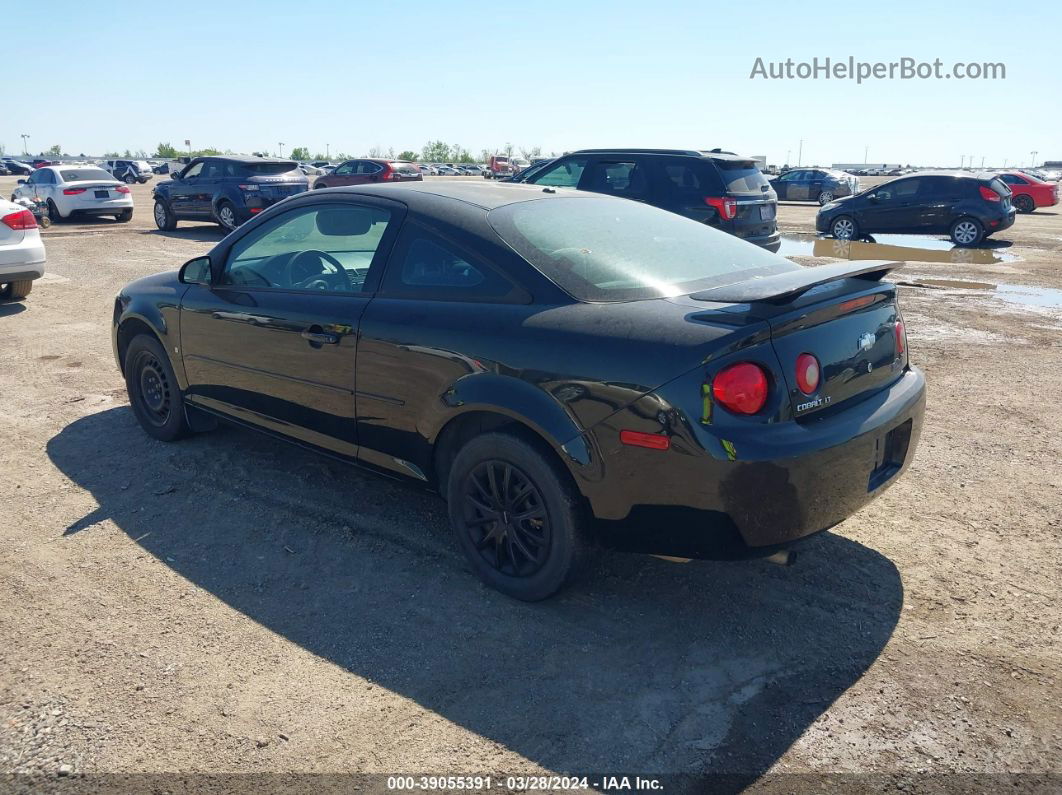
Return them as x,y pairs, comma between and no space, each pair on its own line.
77,189
21,250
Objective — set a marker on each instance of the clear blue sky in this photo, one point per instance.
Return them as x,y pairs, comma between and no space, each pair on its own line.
559,75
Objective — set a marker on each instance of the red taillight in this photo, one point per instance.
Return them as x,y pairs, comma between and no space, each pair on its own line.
121,189
989,194
901,337
654,441
23,219
742,388
73,191
727,208
807,373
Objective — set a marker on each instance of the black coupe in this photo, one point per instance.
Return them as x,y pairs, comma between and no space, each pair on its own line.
552,361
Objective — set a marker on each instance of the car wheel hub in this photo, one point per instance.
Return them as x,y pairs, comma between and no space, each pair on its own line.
154,391
505,518
227,217
965,232
843,230
160,215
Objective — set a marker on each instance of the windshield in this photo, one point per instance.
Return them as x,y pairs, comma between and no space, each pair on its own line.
85,173
619,250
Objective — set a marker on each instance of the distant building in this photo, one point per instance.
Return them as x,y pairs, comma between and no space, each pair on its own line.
1051,164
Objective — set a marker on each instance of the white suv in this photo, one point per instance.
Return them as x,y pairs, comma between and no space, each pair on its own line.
21,250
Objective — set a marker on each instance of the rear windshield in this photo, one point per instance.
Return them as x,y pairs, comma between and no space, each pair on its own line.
143,165
72,175
741,176
265,169
1000,187
618,250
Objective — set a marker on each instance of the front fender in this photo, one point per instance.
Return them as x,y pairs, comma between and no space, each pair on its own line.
153,308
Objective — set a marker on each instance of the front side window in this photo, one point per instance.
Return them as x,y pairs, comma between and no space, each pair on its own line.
193,171
565,174
213,170
906,189
345,169
326,248
597,249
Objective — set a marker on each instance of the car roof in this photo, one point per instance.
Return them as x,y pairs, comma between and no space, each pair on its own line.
486,195
714,154
243,159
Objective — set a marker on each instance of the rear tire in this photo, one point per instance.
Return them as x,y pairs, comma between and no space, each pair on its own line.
164,217
517,516
1024,204
226,216
53,212
967,232
844,228
153,390
825,197
17,290
129,179
124,217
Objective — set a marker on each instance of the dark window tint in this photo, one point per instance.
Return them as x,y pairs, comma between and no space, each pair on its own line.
265,169
616,178
682,175
936,188
345,169
213,170
742,176
428,267
565,174
598,249
905,189
368,167
73,175
193,171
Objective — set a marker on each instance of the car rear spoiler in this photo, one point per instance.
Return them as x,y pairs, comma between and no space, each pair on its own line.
784,287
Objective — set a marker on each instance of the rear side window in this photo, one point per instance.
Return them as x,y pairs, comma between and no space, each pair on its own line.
682,175
616,178
742,176
425,266
405,168
1000,187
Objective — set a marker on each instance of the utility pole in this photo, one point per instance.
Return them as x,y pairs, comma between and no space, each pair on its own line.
800,152
25,137
982,161
1034,153
1004,162
866,152
281,145
788,152
961,158
328,156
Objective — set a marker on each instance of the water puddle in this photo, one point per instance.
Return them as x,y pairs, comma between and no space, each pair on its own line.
1023,295
906,248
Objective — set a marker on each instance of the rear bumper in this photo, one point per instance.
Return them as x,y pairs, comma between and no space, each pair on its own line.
773,483
21,262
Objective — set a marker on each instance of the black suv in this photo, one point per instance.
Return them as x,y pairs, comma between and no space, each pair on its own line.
967,207
718,188
227,189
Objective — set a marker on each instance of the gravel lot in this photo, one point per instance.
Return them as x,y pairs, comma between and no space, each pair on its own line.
233,604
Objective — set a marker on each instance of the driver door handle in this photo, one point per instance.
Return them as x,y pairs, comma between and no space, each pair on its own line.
320,338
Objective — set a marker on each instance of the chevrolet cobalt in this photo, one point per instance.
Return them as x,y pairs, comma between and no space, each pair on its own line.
556,363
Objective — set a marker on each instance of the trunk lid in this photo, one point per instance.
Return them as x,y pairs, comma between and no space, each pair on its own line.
852,335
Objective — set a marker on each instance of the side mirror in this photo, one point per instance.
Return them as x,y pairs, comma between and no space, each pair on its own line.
175,175
872,197
195,271
22,182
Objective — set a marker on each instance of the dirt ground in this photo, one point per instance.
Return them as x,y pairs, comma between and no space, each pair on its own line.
230,604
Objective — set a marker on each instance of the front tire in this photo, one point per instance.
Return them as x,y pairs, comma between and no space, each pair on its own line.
517,516
1024,204
153,390
129,179
226,215
844,228
124,217
164,217
967,232
17,290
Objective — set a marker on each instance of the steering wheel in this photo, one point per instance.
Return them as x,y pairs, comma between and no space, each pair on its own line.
330,272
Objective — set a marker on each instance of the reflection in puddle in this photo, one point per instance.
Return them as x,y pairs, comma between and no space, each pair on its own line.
906,248
1042,297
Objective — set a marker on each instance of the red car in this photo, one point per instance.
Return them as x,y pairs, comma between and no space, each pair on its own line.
40,162
1029,192
366,170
